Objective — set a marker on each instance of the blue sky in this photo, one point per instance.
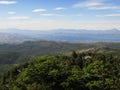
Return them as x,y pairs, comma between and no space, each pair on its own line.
60,14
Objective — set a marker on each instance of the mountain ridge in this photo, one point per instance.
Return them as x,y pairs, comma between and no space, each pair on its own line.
19,36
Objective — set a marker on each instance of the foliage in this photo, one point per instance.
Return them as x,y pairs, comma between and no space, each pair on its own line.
14,54
86,71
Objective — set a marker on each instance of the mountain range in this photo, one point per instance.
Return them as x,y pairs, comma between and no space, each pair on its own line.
19,36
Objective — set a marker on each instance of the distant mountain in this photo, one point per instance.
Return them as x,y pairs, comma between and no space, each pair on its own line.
18,36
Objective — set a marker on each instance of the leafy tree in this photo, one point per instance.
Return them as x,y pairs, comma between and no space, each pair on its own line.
75,72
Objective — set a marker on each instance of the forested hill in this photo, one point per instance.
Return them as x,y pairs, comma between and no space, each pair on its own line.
78,71
44,47
14,54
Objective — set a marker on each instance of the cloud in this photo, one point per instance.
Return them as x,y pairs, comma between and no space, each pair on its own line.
11,12
59,8
39,10
108,15
104,8
112,15
18,17
96,5
87,4
2,2
50,14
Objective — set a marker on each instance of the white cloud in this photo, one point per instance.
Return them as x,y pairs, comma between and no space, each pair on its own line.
108,15
112,15
50,14
96,5
104,8
18,17
11,12
39,10
87,4
7,2
59,8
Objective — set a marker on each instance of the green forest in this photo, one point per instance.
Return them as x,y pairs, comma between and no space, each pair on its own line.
12,55
52,65
76,71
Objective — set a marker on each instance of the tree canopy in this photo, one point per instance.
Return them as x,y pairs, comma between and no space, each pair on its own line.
83,71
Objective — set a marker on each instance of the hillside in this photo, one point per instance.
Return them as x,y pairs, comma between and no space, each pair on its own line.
14,54
86,71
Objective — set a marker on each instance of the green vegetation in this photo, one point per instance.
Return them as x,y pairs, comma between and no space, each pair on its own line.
14,54
78,71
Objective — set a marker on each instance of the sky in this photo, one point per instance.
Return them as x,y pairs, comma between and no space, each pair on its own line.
60,14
